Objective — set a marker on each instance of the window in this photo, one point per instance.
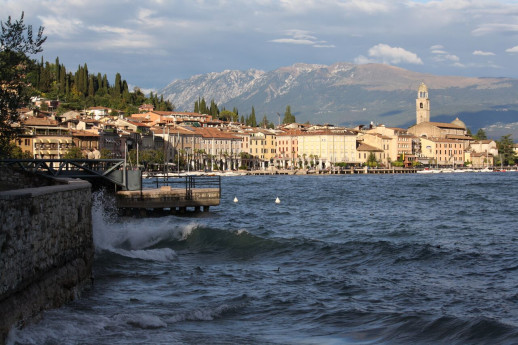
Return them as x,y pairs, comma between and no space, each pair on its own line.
421,105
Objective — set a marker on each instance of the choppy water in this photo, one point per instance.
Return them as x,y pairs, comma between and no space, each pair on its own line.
391,259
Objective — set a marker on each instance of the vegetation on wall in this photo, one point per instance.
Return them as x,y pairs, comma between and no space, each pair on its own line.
17,42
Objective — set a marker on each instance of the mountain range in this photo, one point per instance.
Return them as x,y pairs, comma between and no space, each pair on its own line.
349,94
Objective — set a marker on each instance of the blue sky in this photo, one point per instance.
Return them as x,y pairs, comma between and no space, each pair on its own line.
152,43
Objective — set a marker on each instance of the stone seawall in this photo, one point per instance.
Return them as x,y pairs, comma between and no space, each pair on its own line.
46,249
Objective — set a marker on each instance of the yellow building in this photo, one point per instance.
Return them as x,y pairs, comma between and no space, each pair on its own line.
384,145
44,139
328,147
263,146
443,151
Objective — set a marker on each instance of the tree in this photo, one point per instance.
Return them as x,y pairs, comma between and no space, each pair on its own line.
252,122
506,150
371,160
227,115
288,117
73,153
481,135
16,43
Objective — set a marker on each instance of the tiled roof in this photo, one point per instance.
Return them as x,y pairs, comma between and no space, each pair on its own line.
36,121
365,147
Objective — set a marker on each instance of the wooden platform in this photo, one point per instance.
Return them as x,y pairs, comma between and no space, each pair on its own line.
167,198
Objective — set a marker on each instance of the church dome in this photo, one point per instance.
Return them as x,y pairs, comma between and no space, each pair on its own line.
459,122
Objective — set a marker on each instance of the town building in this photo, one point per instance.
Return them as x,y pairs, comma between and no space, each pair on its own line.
327,147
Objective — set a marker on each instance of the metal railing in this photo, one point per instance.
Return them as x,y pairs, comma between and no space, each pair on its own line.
111,170
190,183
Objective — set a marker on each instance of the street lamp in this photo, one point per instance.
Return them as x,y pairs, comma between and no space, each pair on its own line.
124,166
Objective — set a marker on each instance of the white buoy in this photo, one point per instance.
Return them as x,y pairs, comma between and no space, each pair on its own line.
235,199
277,201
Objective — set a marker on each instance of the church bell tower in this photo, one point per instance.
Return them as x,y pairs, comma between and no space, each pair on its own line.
422,104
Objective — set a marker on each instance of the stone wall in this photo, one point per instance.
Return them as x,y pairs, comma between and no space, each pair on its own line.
46,249
12,178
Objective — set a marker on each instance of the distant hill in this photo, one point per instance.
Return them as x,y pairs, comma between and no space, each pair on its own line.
349,94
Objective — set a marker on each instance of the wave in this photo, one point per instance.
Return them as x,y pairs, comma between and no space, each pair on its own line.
207,314
418,328
161,254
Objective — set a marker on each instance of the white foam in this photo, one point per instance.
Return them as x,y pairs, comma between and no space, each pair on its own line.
53,328
132,238
241,232
144,321
201,314
160,254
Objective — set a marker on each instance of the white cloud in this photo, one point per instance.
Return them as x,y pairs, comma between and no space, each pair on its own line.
495,28
389,55
302,37
293,41
442,55
60,26
367,6
483,53
361,60
182,38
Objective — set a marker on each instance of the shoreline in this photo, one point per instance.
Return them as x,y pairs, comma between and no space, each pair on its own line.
303,172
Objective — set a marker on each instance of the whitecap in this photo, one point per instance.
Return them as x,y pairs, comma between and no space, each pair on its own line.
144,321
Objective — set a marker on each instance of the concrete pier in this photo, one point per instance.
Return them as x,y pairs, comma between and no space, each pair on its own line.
346,171
177,200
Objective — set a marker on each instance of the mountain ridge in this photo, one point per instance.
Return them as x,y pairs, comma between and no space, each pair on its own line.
346,94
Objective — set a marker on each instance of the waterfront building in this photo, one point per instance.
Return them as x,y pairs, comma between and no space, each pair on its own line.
262,147
365,151
484,146
177,142
481,153
287,149
221,148
381,142
441,151
43,138
480,160
327,147
404,145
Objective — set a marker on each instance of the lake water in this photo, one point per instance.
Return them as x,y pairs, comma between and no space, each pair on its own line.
363,259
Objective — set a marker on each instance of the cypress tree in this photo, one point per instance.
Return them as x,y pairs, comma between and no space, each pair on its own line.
105,85
85,79
91,91
252,119
288,117
62,79
117,87
203,106
58,70
214,111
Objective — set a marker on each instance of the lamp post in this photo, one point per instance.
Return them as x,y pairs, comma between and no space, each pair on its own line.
124,166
